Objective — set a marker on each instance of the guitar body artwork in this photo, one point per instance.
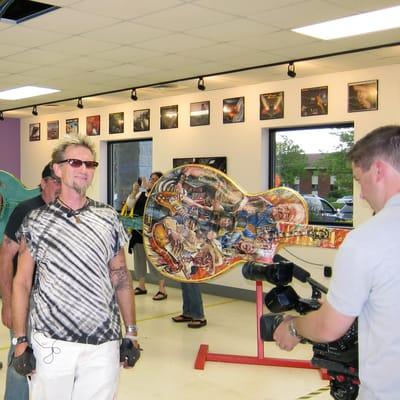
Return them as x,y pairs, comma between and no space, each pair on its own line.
198,224
12,192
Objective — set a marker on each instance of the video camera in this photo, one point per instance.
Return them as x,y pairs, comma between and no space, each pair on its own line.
340,357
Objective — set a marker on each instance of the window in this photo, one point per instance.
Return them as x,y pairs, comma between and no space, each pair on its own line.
127,161
313,162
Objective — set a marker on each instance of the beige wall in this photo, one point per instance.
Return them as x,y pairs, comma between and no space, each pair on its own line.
244,144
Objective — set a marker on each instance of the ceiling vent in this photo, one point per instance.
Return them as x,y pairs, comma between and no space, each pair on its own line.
17,11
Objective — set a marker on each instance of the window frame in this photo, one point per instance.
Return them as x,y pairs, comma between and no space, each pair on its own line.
272,156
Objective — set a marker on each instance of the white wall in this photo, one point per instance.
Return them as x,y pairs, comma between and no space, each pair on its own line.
244,144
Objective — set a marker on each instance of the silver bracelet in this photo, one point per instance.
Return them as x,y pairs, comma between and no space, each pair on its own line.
131,329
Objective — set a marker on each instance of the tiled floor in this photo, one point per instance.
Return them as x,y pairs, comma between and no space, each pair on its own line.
166,368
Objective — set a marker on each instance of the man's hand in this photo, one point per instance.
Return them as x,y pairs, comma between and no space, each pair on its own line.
129,353
135,188
24,362
282,335
6,316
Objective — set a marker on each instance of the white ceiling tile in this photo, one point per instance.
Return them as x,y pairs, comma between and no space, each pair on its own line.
38,57
228,30
63,3
305,13
6,50
243,8
249,59
214,52
85,63
175,43
78,46
365,5
125,9
14,67
125,33
183,17
274,40
127,70
18,34
171,61
69,21
96,46
128,54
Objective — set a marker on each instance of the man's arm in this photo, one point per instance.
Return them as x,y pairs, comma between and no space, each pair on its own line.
323,325
8,250
122,283
20,294
133,195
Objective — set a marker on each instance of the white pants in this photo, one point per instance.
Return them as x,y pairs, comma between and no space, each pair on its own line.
74,371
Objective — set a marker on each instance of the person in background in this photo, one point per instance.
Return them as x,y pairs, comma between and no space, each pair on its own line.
137,200
192,309
17,385
366,278
82,286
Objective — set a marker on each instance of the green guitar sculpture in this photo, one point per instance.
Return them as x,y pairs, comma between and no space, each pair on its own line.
12,192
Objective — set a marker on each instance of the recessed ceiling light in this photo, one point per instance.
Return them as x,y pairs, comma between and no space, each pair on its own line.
374,21
25,92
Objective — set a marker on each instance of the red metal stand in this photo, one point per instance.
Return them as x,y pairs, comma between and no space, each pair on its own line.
204,355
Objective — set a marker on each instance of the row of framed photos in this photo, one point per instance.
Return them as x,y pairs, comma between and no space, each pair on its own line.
362,96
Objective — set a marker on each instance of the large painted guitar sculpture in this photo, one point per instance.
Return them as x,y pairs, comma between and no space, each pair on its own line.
198,224
12,192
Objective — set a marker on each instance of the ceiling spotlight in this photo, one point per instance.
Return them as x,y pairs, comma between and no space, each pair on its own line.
1,116
80,103
133,95
34,111
291,70
200,84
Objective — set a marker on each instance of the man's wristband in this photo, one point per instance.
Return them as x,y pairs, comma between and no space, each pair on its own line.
131,329
131,337
293,330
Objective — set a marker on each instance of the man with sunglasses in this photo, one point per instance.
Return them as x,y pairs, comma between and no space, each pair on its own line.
17,385
82,286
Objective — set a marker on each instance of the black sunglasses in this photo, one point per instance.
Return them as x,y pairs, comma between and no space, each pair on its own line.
75,163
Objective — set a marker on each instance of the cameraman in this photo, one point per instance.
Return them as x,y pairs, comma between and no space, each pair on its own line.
366,281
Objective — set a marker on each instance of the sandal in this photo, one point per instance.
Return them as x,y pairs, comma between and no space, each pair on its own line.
181,318
160,296
139,291
197,323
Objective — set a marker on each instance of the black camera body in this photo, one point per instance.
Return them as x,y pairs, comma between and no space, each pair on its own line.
340,357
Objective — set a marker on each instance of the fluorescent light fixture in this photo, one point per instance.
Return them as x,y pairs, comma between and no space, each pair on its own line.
374,21
25,92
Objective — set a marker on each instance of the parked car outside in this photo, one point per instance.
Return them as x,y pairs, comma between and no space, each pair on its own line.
321,211
346,212
345,200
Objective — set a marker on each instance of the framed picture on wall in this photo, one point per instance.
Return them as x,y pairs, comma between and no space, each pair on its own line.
93,125
216,162
271,105
141,120
363,96
233,110
116,122
200,113
169,117
72,126
53,130
314,101
34,132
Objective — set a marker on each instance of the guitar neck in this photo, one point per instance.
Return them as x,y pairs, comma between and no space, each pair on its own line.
310,235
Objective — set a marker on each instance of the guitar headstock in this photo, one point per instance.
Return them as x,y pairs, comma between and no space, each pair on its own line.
198,224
